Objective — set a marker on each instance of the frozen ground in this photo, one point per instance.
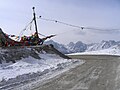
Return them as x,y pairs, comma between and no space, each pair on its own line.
95,74
28,69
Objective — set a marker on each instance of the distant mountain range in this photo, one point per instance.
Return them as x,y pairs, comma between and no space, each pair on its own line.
82,47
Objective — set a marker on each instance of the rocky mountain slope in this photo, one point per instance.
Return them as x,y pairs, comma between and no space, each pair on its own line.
13,54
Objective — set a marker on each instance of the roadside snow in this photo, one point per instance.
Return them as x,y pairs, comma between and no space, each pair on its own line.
31,65
110,51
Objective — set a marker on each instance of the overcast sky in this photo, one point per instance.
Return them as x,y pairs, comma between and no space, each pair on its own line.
104,14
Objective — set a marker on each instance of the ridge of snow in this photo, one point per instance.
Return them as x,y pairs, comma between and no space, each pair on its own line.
115,50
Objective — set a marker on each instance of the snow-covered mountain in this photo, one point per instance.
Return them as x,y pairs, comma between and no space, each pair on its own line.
114,50
77,47
70,48
82,47
62,48
102,45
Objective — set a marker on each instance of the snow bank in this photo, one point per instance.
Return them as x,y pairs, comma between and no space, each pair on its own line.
31,65
111,51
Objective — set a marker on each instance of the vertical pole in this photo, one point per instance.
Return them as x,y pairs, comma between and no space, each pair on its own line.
34,18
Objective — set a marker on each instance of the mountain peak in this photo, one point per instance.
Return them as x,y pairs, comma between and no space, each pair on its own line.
102,45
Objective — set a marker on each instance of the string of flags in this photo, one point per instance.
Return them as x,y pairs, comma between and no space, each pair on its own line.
12,36
76,26
56,21
64,23
18,37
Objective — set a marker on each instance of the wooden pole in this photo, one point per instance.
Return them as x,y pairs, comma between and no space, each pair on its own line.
34,18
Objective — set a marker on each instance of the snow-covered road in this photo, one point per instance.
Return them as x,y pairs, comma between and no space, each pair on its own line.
94,74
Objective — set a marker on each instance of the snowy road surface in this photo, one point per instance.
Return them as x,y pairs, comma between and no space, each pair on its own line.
94,74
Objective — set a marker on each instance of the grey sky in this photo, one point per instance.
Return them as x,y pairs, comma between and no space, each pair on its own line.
15,14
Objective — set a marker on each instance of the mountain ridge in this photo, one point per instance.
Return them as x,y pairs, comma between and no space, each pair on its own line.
79,46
